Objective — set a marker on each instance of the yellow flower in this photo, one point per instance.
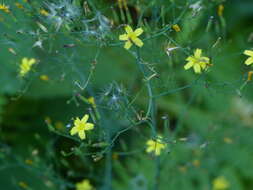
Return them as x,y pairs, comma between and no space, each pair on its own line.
44,77
249,61
196,163
44,12
22,185
220,183
155,146
80,126
25,66
131,37
84,185
19,5
228,140
197,61
176,28
220,10
4,8
250,74
29,162
91,100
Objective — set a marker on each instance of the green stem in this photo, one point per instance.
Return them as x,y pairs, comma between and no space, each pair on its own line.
157,173
151,105
150,112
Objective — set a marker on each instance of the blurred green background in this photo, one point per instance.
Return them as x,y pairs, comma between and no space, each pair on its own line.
207,118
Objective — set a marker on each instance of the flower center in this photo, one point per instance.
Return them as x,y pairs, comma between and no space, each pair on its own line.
131,35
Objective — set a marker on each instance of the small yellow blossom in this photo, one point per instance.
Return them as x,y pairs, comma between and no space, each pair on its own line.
91,100
19,5
115,156
59,125
182,169
155,146
176,27
84,185
220,183
220,10
48,120
196,163
250,74
197,62
80,126
44,77
22,185
131,37
228,140
249,61
29,162
26,65
44,12
4,8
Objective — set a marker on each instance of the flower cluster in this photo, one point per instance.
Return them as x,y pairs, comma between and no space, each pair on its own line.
196,61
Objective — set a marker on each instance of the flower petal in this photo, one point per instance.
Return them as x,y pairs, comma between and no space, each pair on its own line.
89,126
190,58
188,65
138,31
249,61
128,44
203,65
197,68
149,149
77,121
85,118
248,52
197,53
137,42
24,60
31,61
82,135
157,151
123,37
74,130
150,142
128,29
205,59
